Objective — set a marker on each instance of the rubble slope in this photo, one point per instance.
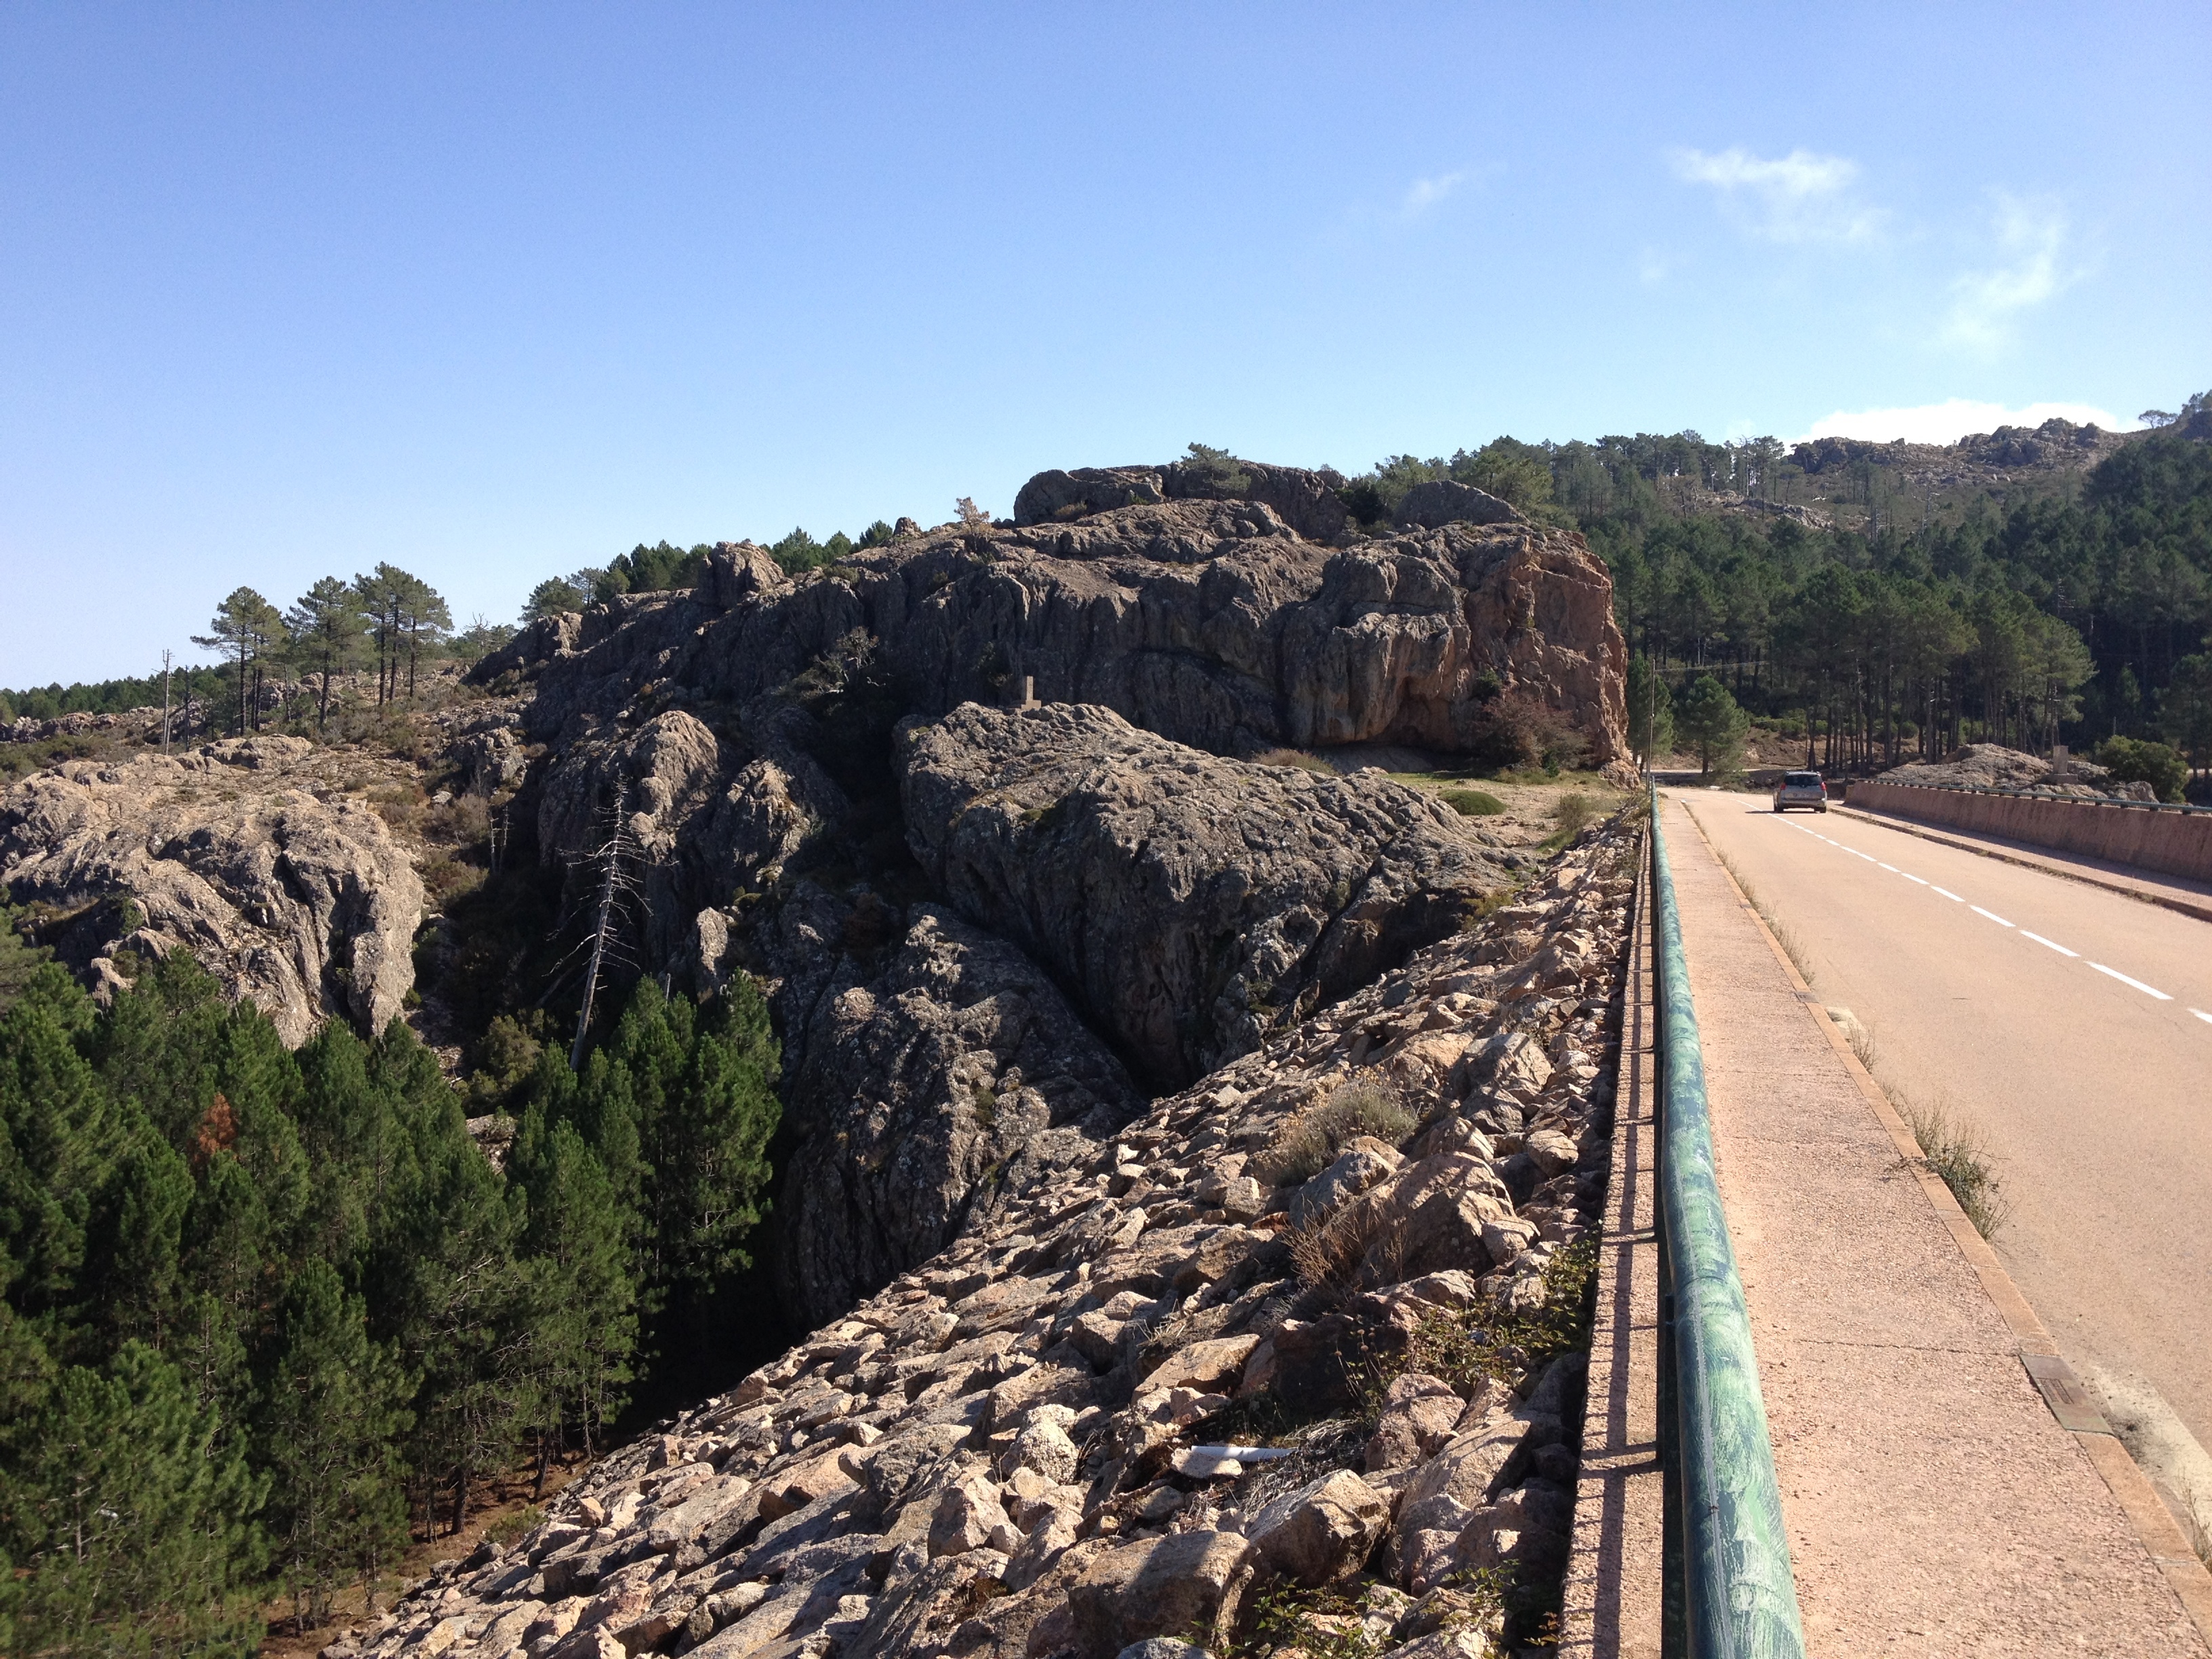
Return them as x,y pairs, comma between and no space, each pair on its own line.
1323,1245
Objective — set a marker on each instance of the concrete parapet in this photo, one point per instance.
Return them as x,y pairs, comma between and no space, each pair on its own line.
2165,838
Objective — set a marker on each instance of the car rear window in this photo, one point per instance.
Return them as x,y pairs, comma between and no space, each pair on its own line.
1801,779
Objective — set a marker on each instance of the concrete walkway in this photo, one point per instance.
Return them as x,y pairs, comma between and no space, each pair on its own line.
1935,1504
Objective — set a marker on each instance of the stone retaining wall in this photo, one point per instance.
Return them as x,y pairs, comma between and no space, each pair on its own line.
2172,843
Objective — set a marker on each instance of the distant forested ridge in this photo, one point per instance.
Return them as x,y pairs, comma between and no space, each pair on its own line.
1886,598
1896,600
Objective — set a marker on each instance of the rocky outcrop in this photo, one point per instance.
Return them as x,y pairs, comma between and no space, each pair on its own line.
1092,878
1190,902
1022,1447
1307,501
1096,877
1232,621
932,1068
1993,766
304,904
1440,502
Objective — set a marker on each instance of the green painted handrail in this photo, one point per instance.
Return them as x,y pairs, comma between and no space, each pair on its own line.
1739,1600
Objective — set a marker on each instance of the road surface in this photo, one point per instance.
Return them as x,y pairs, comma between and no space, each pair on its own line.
2072,1028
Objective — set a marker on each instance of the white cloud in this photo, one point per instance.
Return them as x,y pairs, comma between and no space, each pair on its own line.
1798,197
1652,266
1952,419
1426,193
2031,233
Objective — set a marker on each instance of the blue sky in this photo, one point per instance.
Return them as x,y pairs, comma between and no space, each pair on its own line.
495,291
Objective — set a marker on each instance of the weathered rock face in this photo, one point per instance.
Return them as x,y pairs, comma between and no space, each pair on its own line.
1001,1453
1306,502
305,905
1440,502
1190,902
708,820
929,1073
1229,623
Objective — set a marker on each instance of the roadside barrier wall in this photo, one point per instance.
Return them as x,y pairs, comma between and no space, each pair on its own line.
2175,841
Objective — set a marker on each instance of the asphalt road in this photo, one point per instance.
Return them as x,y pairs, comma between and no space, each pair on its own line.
2072,1028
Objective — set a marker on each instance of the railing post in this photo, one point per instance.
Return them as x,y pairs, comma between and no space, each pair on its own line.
1729,1594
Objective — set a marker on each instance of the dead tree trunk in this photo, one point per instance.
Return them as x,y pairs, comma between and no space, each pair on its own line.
610,880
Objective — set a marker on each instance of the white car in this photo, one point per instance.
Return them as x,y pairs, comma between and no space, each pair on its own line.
1800,789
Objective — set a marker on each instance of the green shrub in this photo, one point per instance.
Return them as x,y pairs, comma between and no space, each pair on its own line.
1473,803
2131,760
1574,813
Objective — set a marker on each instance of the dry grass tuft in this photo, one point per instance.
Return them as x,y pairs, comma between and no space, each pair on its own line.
1955,1152
1309,1142
1330,1254
1299,758
1574,813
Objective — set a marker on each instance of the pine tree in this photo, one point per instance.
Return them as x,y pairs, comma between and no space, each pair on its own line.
327,625
424,622
679,1109
1650,711
443,1283
245,629
583,1319
134,1520
332,1412
1712,724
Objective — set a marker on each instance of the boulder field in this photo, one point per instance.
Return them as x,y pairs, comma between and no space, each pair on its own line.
1279,1335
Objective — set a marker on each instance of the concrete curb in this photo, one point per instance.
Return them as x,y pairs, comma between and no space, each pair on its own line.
1614,1582
2202,911
2062,1391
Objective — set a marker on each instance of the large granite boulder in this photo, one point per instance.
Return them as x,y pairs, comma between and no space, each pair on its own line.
1190,902
302,903
1440,502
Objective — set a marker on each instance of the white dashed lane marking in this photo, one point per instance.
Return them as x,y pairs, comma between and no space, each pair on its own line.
2148,990
2047,944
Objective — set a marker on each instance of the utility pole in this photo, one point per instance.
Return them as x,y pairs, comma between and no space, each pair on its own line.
165,702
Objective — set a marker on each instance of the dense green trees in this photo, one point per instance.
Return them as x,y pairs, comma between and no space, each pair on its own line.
1710,721
2048,620
257,1308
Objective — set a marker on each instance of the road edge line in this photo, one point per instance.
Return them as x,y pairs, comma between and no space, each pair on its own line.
2088,878
2070,1404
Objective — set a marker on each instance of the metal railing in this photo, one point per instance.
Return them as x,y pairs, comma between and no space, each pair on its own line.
1730,1593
